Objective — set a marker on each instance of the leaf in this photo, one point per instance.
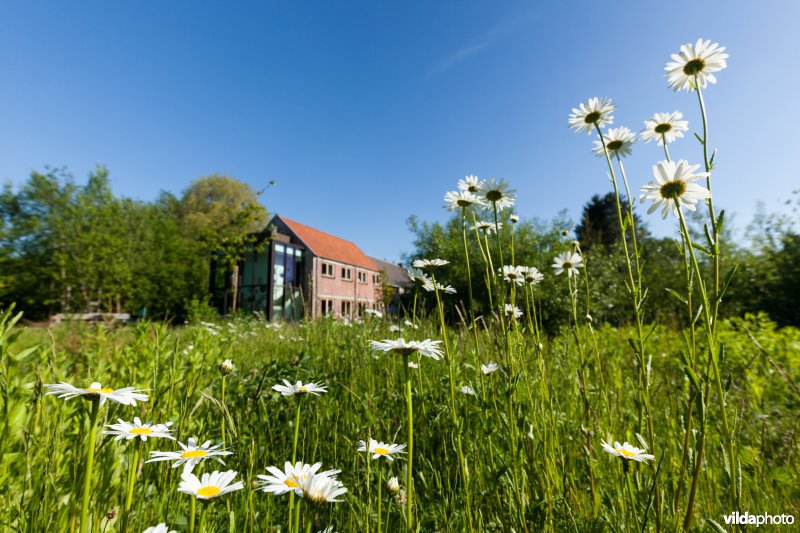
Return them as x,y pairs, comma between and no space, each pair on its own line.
678,296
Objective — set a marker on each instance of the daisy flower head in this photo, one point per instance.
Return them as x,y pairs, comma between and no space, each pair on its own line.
627,451
95,391
287,389
447,289
393,485
674,182
489,368
618,142
455,200
226,367
514,219
128,430
597,111
191,455
420,279
209,486
430,264
487,227
410,324
380,449
394,328
568,262
428,347
664,126
513,274
512,311
160,528
290,478
497,194
412,365
533,276
374,312
319,489
471,184
695,64
469,391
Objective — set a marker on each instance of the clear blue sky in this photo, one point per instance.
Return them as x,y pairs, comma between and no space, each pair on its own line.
367,112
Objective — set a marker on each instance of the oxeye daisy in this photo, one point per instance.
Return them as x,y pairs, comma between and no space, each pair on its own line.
412,365
287,389
209,486
627,451
374,312
514,219
674,181
128,430
489,368
447,289
321,489
470,184
380,449
191,454
568,262
95,391
430,264
513,274
488,227
695,64
512,311
455,200
664,127
420,279
410,324
597,111
469,391
290,478
533,276
618,142
160,528
496,194
428,347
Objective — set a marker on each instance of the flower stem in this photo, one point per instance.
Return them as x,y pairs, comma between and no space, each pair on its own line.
134,467
294,458
87,481
409,466
380,486
192,508
222,403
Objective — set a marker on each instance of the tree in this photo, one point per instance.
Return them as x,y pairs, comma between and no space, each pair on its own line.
599,224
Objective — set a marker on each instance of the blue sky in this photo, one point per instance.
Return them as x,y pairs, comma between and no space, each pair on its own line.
368,112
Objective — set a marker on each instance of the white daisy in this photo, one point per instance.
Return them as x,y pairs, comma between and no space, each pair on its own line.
513,274
488,227
420,279
595,111
318,488
512,311
124,396
455,200
674,181
290,478
394,328
695,65
428,347
627,451
128,431
380,449
191,455
374,312
663,126
410,324
430,264
466,389
412,365
569,262
160,528
533,276
514,219
393,485
488,369
447,289
496,193
470,184
287,389
618,142
209,486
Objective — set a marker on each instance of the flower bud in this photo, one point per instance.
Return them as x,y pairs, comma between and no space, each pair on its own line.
111,514
226,367
588,318
393,485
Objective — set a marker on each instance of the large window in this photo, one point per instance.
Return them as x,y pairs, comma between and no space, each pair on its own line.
326,307
347,307
287,282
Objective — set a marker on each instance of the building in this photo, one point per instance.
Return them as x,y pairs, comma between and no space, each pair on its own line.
297,271
396,281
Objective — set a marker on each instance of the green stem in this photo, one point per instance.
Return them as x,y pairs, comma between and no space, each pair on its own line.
192,511
222,404
473,325
409,466
87,481
132,471
294,458
380,487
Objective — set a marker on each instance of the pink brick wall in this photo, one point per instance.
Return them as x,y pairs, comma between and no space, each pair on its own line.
338,289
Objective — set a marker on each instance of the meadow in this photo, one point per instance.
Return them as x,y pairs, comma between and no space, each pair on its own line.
429,421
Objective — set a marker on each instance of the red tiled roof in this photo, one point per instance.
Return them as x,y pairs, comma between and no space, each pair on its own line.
327,246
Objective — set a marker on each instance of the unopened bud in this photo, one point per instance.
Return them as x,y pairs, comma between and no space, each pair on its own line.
564,233
226,367
588,318
393,485
111,514
514,219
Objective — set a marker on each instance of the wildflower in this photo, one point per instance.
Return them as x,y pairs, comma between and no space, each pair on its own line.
627,451
512,311
533,276
597,111
695,65
488,369
124,396
430,264
374,312
447,289
191,455
664,126
394,328
410,324
412,365
466,389
321,489
470,184
569,262
674,181
497,194
290,479
111,514
514,219
393,485
618,142
428,347
455,200
160,528
513,274
420,279
287,389
488,227
128,431
380,449
210,485
226,367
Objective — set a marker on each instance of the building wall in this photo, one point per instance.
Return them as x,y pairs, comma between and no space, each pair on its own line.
336,289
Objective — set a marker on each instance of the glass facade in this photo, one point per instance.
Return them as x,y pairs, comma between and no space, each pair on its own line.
287,282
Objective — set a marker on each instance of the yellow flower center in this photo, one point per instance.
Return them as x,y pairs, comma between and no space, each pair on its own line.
694,66
302,388
104,390
626,453
673,189
140,431
208,492
289,482
193,454
382,451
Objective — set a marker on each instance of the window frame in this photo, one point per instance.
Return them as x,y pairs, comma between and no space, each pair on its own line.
328,266
347,273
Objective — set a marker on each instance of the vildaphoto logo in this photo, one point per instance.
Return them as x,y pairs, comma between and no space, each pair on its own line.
745,518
